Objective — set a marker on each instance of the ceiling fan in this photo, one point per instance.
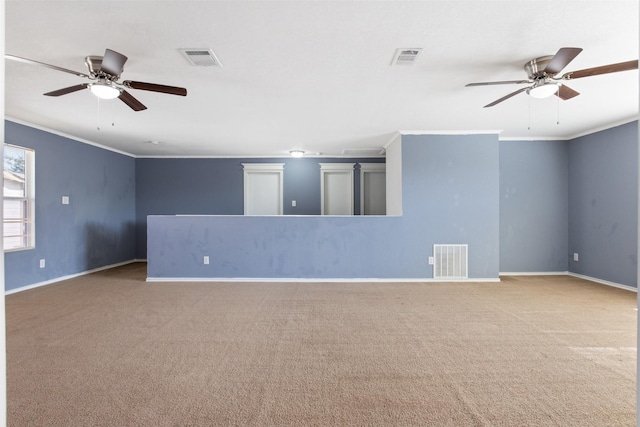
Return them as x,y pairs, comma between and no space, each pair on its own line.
105,71
542,75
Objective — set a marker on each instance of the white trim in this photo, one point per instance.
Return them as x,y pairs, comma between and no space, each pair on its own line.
590,131
523,138
254,169
354,156
604,282
337,168
273,157
567,273
534,273
66,135
535,138
370,168
373,167
29,196
451,132
262,167
320,155
397,136
604,127
308,280
273,216
70,276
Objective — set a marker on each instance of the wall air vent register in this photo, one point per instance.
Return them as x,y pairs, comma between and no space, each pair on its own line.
450,262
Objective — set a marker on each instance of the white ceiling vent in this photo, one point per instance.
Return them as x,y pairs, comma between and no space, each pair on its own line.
201,57
406,56
363,152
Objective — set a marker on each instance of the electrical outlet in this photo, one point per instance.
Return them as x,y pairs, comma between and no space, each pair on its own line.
206,260
575,256
65,200
42,263
293,203
431,260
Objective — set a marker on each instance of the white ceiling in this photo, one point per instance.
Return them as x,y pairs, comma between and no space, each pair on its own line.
316,75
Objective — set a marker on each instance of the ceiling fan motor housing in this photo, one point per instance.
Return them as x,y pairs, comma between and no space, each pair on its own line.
93,63
535,67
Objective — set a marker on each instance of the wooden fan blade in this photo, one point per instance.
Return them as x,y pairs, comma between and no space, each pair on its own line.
172,90
604,69
497,101
43,64
128,99
503,82
67,90
561,59
565,92
113,63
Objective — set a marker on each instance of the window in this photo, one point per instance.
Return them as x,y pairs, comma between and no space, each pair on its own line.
19,195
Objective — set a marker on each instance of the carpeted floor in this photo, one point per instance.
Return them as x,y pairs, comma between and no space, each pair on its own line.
108,349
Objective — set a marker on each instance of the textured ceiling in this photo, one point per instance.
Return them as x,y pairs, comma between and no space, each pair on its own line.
315,75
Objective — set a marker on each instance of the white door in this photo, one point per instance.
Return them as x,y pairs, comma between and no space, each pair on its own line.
373,192
336,188
263,188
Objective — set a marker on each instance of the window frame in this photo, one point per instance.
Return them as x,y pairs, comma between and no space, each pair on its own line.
28,198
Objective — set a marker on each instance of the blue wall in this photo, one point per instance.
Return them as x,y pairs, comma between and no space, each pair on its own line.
450,193
274,247
95,229
215,187
603,204
554,198
450,196
534,206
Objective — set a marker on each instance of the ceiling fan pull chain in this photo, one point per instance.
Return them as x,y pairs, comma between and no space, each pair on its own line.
98,114
529,125
558,110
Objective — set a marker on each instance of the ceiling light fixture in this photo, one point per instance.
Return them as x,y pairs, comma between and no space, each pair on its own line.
544,90
296,153
104,90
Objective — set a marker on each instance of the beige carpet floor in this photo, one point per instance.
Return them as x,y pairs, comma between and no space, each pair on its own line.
108,349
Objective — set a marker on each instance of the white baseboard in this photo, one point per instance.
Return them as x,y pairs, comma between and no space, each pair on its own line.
317,280
70,276
307,280
534,273
567,273
604,282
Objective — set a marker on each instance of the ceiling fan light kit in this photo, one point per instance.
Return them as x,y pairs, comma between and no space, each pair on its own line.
104,90
105,72
544,90
542,76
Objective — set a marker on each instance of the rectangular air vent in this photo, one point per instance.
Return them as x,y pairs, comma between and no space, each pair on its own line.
406,56
450,261
201,57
